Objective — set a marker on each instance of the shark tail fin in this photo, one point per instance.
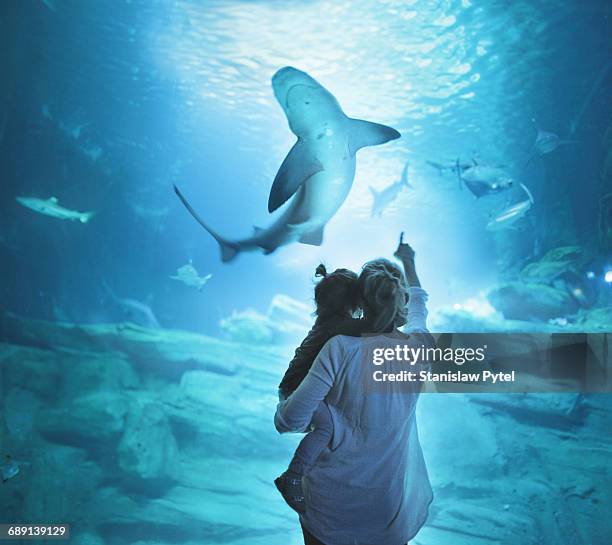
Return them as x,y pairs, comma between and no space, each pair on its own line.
365,133
85,217
229,250
405,179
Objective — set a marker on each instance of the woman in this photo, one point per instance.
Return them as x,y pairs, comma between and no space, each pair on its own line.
370,485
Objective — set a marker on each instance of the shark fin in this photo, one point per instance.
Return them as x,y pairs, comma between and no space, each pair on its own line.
314,238
374,192
257,230
404,180
365,133
299,165
86,216
229,250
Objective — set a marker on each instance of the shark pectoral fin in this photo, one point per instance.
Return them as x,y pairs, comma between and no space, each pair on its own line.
365,133
314,238
299,165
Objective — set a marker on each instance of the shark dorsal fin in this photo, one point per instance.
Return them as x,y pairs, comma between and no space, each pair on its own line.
299,165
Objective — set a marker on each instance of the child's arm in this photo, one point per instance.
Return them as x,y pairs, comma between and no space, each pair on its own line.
301,363
295,413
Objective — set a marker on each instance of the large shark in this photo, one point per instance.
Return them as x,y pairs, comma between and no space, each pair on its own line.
383,198
318,172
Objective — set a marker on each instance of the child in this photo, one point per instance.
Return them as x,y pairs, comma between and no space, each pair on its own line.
337,298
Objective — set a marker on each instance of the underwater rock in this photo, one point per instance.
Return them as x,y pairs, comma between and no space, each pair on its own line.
84,372
163,352
522,301
87,538
594,320
186,513
562,411
147,447
286,321
30,369
247,326
20,407
59,483
86,421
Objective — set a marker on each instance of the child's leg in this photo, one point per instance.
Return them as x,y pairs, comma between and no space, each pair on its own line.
314,442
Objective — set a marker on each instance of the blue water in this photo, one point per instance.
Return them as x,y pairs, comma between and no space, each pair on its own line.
107,105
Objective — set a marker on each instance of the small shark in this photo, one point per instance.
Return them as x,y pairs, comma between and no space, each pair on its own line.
546,142
484,180
11,468
50,207
188,275
508,217
453,167
134,311
385,197
318,172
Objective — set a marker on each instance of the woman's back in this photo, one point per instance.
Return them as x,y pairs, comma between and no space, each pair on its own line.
371,486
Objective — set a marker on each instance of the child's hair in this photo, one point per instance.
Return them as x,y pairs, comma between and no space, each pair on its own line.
384,292
337,293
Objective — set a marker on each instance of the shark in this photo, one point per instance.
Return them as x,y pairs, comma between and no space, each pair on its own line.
452,167
483,180
188,275
51,207
508,217
546,142
133,310
317,173
383,198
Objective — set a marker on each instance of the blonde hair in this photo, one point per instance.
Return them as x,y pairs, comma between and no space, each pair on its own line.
385,294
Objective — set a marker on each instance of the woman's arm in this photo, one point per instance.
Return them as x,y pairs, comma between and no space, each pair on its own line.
295,413
406,254
416,318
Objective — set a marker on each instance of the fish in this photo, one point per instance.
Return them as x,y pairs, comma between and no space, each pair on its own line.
188,275
484,180
546,142
11,468
453,167
51,207
136,311
317,174
508,217
385,197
